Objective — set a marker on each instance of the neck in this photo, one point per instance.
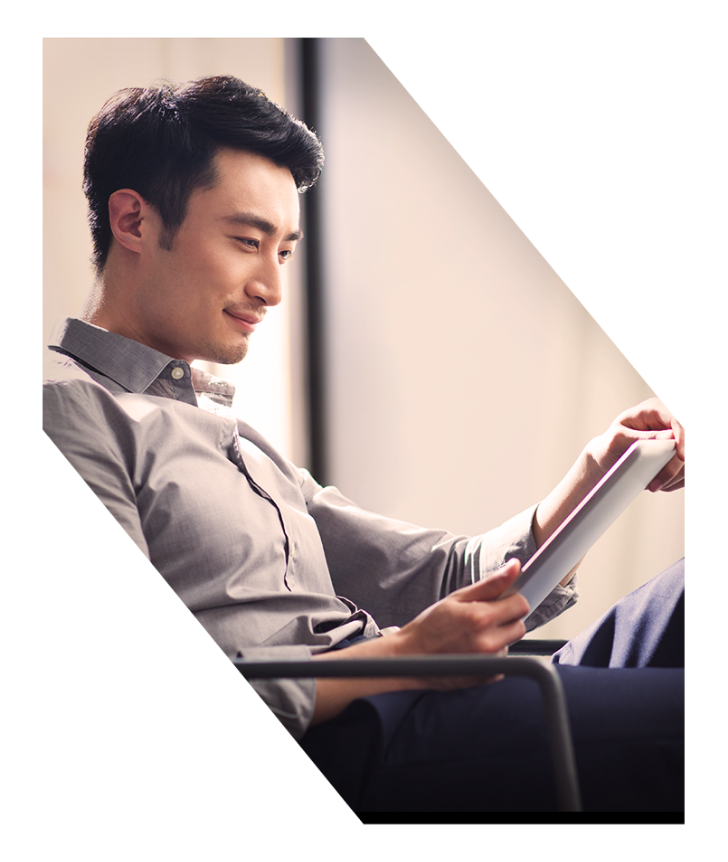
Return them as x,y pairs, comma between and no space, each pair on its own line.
96,303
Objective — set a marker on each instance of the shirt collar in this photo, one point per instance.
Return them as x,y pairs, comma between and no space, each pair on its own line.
130,364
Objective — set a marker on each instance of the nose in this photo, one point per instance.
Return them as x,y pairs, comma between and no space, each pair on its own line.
266,284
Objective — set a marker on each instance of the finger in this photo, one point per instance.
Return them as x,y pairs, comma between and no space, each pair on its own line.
650,434
659,417
670,478
623,436
675,485
502,630
492,586
650,415
492,618
668,482
508,610
679,433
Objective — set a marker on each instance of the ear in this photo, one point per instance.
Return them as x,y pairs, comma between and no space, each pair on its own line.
128,212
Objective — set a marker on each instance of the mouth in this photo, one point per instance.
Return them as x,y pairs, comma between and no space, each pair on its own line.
244,321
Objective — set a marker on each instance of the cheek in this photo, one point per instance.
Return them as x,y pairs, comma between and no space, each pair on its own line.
209,268
195,279
199,279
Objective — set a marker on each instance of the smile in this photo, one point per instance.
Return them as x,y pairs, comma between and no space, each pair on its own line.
246,322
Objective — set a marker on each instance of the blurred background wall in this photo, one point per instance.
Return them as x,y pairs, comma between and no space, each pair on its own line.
461,377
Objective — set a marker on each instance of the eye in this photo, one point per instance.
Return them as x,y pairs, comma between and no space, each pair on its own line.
247,242
251,244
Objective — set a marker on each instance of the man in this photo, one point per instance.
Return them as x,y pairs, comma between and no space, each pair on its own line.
193,197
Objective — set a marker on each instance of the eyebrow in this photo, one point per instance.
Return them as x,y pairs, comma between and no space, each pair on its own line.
252,220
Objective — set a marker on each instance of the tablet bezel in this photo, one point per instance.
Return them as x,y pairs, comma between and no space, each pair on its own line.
563,550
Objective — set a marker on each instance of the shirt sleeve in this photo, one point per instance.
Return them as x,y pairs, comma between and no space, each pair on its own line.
395,570
81,418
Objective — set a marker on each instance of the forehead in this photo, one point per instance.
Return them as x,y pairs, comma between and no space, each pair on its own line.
247,182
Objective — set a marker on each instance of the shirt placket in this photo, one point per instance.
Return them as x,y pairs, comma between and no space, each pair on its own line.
236,456
219,405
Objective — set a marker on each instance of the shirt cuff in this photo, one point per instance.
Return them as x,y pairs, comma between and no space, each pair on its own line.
555,603
515,538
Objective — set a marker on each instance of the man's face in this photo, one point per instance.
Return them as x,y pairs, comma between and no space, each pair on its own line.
203,298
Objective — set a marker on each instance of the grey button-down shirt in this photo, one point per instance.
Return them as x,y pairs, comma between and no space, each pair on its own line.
270,562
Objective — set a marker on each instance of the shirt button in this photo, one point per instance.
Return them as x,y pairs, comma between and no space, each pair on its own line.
178,373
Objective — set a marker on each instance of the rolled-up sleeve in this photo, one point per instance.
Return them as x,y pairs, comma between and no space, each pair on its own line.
555,603
515,538
395,570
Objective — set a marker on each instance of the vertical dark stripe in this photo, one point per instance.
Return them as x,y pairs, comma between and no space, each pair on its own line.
315,310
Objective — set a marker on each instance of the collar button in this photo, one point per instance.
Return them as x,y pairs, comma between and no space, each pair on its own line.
177,373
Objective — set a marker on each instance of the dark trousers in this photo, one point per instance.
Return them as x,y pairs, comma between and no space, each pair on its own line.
484,749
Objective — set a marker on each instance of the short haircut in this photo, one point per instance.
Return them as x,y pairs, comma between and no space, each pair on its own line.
161,142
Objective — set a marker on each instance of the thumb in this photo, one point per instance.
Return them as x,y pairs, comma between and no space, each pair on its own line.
659,434
491,587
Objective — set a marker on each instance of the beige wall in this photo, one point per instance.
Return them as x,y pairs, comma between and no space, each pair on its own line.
464,375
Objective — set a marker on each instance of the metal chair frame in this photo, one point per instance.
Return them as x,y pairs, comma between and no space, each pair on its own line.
542,672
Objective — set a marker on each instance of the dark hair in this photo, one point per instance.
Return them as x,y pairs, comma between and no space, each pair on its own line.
161,141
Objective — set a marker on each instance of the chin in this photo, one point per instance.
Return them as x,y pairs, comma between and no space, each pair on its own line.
226,354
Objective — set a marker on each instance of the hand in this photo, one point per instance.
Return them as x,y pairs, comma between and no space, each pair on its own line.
473,619
648,420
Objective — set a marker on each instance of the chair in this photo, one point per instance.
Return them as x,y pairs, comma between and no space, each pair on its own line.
521,662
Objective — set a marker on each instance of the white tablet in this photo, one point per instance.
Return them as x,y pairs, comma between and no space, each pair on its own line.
598,510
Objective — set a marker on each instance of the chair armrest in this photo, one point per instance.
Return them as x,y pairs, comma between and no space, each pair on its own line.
535,646
557,719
